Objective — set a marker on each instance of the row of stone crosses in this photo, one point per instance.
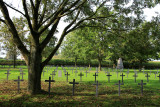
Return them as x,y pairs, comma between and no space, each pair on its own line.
81,75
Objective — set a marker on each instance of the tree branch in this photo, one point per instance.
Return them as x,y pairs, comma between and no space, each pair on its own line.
27,15
13,30
64,33
2,20
43,13
14,9
50,34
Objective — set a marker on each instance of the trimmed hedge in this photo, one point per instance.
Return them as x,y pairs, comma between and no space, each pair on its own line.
94,63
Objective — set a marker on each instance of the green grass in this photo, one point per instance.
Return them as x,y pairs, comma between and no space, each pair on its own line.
85,91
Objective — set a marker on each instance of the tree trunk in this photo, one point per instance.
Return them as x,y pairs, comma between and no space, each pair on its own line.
34,72
99,60
75,62
140,65
14,60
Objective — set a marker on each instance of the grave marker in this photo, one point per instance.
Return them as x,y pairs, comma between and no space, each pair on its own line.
108,75
53,74
22,73
155,74
49,88
95,76
81,76
18,82
119,84
127,73
67,76
76,73
117,73
59,73
43,72
141,86
86,73
122,77
159,77
73,86
147,77
135,76
7,74
97,84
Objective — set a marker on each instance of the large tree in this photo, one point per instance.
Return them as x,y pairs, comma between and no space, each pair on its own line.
44,14
41,15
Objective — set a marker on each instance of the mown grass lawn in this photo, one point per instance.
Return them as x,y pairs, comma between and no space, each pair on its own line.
61,91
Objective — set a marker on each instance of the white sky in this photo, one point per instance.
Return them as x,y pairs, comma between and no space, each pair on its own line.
149,13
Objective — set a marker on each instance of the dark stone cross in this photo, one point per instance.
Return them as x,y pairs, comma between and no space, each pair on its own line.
22,73
86,73
147,77
135,76
95,76
119,84
108,75
49,88
53,74
159,77
97,84
43,72
73,86
67,76
7,74
141,86
18,82
122,77
81,76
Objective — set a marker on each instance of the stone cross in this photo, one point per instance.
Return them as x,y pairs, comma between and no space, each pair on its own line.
53,74
43,72
122,77
95,76
7,74
49,88
135,76
18,82
108,75
119,84
159,77
97,84
127,73
96,70
64,72
73,86
81,76
117,73
141,86
76,73
67,76
150,72
22,73
86,73
147,77
155,74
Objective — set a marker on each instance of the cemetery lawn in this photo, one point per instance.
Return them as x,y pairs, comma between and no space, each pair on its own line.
61,91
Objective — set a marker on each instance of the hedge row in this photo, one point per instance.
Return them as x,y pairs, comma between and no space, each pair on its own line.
68,62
